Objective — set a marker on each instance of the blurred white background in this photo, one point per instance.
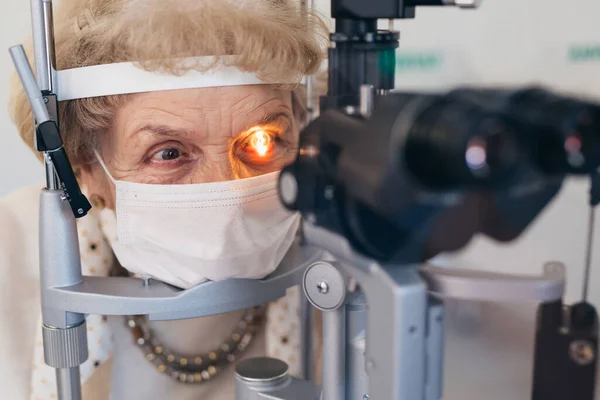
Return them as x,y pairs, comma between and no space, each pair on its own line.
18,165
553,42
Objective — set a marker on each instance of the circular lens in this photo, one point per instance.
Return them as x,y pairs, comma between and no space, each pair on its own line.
454,145
565,131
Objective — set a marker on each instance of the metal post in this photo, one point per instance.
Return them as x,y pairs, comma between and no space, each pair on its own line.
60,263
435,350
310,80
325,288
334,354
64,333
64,379
30,86
306,337
42,58
357,381
43,48
50,54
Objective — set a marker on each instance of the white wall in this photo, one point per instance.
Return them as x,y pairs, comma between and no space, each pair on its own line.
18,165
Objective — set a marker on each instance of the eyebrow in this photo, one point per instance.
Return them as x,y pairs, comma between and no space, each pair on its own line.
163,130
268,119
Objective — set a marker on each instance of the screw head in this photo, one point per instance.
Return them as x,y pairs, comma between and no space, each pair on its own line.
582,352
323,287
366,397
46,100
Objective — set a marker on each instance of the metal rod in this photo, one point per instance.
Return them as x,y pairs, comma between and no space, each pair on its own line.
356,381
588,255
334,354
43,50
306,336
310,80
40,49
68,383
50,173
52,181
50,61
32,90
36,100
435,350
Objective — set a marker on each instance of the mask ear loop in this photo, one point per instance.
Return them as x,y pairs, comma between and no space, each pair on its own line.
103,165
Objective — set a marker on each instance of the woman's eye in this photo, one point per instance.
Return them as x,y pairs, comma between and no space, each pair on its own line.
260,144
264,147
260,148
167,154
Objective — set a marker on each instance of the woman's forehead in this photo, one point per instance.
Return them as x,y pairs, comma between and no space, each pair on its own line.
238,98
219,109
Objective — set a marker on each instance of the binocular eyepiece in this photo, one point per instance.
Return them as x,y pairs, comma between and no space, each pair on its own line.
562,134
484,138
383,179
451,145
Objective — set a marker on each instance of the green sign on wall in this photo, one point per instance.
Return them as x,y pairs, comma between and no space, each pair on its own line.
418,61
584,53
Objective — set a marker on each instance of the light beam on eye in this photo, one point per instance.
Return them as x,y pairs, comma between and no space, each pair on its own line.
260,142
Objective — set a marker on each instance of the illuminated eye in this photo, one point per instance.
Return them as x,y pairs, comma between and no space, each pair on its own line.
260,143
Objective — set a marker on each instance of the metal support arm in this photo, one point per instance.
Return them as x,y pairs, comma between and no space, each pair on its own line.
130,296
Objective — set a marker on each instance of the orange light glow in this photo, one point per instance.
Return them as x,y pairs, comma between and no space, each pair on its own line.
260,141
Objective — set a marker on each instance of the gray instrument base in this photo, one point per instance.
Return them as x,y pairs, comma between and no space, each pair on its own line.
392,351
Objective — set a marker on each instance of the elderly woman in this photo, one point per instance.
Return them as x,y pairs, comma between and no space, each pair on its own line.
182,183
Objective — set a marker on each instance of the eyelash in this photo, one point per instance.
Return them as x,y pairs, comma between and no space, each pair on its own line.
281,144
166,146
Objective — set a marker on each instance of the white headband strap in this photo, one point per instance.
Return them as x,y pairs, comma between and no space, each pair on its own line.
126,78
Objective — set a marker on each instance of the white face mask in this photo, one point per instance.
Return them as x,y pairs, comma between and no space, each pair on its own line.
187,234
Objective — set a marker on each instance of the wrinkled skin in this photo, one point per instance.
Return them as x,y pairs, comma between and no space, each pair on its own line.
194,136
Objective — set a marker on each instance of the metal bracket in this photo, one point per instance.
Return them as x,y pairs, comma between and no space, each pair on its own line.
129,296
480,285
399,313
396,322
